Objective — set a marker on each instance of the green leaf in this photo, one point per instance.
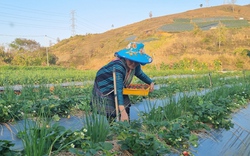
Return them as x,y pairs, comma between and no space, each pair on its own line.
107,146
56,117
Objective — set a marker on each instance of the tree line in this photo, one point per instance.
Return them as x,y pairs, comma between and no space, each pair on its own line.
25,52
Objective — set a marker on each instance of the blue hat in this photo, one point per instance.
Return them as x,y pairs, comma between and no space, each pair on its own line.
135,52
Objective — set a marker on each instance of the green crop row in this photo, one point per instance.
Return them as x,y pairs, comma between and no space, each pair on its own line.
204,24
170,127
16,75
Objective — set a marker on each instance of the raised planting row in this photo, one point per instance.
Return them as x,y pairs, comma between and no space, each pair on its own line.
172,127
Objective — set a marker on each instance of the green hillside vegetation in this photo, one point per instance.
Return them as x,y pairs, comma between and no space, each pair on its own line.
214,38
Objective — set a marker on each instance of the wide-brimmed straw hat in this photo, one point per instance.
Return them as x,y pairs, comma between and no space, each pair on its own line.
135,52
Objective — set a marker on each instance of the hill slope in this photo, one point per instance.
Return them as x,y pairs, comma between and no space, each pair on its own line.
219,47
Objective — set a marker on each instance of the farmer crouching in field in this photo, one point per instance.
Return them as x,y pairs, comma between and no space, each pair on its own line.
127,63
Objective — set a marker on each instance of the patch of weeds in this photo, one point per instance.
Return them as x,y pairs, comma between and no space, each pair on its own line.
97,127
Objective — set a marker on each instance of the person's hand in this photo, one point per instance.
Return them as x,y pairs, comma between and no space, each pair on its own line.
124,115
151,87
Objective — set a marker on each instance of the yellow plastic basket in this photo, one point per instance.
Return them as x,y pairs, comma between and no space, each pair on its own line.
136,89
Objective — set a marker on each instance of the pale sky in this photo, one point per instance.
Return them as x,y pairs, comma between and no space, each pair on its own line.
47,20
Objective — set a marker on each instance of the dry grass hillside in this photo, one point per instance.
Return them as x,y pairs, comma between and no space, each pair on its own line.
223,48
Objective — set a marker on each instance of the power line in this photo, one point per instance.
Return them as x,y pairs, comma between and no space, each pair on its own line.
34,15
89,24
12,24
40,16
22,35
28,18
3,14
28,10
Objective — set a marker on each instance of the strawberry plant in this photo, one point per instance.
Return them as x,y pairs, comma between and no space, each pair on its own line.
142,144
5,149
90,148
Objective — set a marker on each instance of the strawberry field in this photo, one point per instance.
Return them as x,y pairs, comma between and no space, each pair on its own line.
172,127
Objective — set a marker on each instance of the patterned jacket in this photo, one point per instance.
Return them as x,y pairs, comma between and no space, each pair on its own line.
104,78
